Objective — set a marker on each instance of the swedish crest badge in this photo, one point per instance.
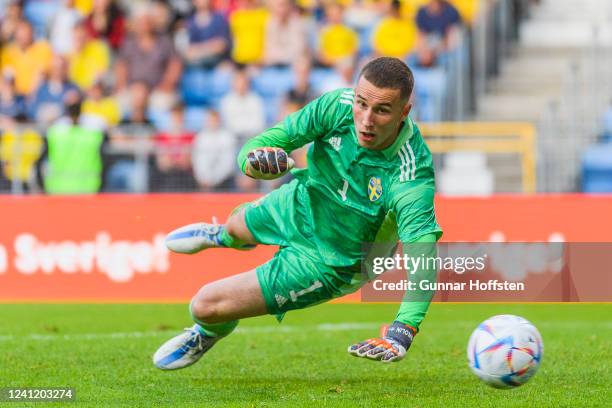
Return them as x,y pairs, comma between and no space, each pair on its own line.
375,188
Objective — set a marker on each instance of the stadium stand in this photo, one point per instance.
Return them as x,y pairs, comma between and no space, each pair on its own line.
465,173
161,53
597,169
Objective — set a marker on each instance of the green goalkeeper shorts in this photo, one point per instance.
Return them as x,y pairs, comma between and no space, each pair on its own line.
296,277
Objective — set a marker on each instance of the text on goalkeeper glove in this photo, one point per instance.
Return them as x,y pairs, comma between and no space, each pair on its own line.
268,163
392,346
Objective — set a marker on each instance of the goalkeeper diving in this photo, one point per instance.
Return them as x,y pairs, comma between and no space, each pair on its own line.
369,179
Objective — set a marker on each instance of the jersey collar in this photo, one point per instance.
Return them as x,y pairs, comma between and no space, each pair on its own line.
404,135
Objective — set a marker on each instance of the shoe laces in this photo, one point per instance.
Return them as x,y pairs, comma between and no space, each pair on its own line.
211,229
194,342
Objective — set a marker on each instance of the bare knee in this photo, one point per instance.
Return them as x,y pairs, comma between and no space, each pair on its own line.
204,310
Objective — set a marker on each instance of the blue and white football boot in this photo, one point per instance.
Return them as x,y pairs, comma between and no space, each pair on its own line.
183,350
194,238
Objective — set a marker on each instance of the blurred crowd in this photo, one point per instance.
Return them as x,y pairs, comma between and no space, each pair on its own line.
105,95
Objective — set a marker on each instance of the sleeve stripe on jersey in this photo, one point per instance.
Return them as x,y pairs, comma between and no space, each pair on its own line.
412,175
408,168
403,166
347,97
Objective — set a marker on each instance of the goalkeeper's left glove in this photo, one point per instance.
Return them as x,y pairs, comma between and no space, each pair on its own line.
391,346
268,163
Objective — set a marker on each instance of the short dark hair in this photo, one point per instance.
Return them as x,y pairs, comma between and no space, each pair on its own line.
73,109
388,72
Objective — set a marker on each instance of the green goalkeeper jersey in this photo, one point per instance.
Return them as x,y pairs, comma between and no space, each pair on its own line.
355,195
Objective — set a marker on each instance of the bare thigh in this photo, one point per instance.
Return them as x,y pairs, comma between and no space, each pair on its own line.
232,298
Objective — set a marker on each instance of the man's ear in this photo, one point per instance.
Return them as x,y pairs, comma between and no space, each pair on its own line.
406,109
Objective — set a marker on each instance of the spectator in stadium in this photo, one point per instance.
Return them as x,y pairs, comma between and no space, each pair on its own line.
242,110
248,28
423,57
394,36
336,41
84,6
138,110
340,77
296,99
302,92
285,37
12,105
173,166
61,34
21,146
100,110
180,9
162,17
438,21
147,58
53,94
130,143
13,14
90,59
362,15
209,37
214,153
73,156
27,60
106,22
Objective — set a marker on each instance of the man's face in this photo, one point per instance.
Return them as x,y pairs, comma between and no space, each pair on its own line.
378,114
24,34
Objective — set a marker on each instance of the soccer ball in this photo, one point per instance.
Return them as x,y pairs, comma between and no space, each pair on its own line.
505,351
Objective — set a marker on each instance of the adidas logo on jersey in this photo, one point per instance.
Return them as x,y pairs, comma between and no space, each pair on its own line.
280,300
335,142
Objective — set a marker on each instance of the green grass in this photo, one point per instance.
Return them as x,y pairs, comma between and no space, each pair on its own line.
301,362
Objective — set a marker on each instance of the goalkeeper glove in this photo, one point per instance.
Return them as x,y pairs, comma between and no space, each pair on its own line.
391,346
268,163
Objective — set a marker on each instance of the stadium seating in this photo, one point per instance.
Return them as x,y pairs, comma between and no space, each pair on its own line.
607,125
597,169
40,13
272,84
465,173
430,89
195,118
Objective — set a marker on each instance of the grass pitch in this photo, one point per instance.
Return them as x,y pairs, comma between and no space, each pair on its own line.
104,353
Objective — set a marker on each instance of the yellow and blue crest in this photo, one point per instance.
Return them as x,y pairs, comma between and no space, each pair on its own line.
375,188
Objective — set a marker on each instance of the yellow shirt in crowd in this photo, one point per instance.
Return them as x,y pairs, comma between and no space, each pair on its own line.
337,41
105,108
248,32
27,66
89,64
19,152
394,37
84,6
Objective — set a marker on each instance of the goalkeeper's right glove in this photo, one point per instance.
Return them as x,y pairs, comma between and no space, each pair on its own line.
268,163
391,346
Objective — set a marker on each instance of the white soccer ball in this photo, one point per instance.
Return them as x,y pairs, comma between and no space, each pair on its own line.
505,351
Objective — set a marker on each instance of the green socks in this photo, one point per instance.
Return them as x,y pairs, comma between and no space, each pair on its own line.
230,242
215,329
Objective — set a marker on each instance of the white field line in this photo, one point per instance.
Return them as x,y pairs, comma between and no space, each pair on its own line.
240,330
324,327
